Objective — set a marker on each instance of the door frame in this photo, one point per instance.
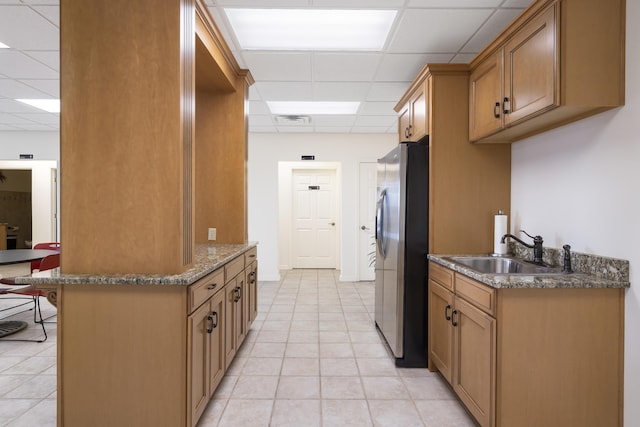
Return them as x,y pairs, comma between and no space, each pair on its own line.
364,251
285,208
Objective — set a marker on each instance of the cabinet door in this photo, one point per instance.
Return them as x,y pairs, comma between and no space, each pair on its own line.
474,368
217,341
198,324
440,329
418,107
485,97
530,68
241,309
252,282
404,119
230,322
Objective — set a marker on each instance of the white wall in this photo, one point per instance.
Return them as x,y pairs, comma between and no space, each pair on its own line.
266,150
580,184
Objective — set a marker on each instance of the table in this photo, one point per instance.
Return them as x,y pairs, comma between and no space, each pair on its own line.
17,256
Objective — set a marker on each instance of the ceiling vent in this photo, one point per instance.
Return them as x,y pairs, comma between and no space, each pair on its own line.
293,119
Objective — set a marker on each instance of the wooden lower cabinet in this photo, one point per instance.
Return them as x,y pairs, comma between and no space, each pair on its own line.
252,294
528,356
206,362
462,346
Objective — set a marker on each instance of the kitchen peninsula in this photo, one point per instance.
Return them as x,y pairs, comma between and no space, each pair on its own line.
153,152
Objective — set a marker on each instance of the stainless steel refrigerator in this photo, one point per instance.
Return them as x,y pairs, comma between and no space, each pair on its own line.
402,242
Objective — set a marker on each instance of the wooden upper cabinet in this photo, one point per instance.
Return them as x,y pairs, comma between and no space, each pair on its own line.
413,114
485,97
530,69
548,68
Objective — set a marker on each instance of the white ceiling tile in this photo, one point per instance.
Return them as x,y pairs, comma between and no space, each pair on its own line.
369,129
285,91
42,118
262,129
385,121
33,2
344,67
50,58
335,121
377,108
23,28
12,119
261,120
387,91
51,13
10,88
333,129
280,66
51,86
402,67
354,4
35,127
463,58
454,3
429,30
339,91
254,95
295,129
494,25
517,3
261,3
17,65
258,108
7,127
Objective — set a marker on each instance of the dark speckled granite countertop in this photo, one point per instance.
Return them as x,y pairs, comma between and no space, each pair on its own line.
208,257
591,272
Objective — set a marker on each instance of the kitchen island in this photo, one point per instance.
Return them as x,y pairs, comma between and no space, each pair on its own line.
150,349
531,350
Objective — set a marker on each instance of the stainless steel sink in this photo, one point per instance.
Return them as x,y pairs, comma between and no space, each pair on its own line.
494,265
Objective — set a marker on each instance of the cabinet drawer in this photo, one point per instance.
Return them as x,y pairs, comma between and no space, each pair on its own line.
250,255
441,275
482,296
233,268
205,288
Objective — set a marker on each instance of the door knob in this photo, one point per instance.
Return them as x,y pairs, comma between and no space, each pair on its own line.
332,223
364,227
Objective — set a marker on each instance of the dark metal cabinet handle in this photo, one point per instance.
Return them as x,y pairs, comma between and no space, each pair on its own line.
212,287
453,318
446,312
238,294
506,106
410,133
210,328
214,323
496,110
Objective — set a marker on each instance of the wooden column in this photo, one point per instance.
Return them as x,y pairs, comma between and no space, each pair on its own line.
127,96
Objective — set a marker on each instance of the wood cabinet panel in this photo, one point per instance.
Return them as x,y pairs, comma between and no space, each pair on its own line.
413,116
530,69
217,365
474,360
198,367
485,97
440,329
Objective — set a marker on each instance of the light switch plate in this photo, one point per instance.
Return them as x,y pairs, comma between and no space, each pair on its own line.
212,234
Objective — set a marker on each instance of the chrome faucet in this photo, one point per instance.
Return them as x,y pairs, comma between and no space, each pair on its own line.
537,245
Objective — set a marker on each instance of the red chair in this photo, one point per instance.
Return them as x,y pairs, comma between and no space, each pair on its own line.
47,263
52,246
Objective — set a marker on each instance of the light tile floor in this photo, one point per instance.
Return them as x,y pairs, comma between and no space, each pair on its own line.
313,357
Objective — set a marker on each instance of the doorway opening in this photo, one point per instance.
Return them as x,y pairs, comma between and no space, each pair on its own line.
15,207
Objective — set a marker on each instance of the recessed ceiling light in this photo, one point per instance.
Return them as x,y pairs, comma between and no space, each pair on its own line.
3,46
312,107
48,105
316,29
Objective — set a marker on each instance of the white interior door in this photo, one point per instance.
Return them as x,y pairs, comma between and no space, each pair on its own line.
314,218
367,217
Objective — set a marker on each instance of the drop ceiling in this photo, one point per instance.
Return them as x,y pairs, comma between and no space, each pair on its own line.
438,31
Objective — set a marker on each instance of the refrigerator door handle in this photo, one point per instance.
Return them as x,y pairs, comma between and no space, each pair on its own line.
380,223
